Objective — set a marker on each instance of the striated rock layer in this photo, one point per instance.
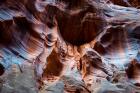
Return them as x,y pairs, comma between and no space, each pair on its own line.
69,46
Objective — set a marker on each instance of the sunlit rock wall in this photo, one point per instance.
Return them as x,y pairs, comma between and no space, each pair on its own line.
69,46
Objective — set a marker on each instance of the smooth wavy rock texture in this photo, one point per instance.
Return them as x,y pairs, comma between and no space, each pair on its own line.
69,46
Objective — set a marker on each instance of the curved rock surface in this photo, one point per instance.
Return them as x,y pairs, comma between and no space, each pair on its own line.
69,46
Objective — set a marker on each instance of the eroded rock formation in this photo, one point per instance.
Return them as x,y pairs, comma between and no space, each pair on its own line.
69,46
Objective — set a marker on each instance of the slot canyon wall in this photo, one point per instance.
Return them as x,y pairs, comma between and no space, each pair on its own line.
69,46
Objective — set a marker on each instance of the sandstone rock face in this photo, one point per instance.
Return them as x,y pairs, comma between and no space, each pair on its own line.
16,80
127,3
69,46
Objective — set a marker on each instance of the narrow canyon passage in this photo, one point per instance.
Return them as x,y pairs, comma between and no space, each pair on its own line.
69,46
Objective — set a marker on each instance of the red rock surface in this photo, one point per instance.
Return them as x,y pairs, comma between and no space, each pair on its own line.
69,46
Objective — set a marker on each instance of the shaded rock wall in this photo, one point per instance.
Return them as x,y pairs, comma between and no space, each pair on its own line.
69,46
